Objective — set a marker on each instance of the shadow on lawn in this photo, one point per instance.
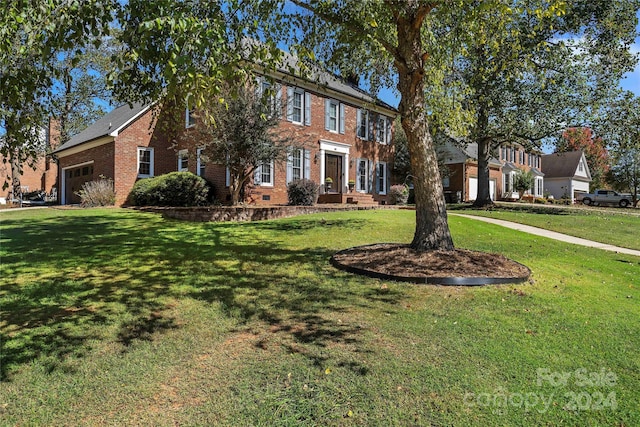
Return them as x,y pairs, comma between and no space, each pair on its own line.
71,278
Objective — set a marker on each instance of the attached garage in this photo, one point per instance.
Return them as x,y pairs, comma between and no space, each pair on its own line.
74,178
473,188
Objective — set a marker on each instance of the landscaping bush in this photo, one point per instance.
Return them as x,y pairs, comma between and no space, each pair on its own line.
540,200
97,193
302,192
172,189
398,194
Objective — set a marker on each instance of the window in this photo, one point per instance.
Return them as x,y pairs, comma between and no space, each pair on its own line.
362,182
363,124
333,116
580,166
383,130
183,160
296,164
521,157
200,162
145,162
264,174
272,96
189,117
446,182
381,169
298,106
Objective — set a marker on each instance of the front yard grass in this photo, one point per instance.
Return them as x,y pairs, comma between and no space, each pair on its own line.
619,229
115,317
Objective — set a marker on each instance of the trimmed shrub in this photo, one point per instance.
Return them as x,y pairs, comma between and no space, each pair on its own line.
540,200
302,192
172,189
97,193
398,194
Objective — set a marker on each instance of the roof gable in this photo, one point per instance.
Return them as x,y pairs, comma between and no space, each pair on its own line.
108,125
565,165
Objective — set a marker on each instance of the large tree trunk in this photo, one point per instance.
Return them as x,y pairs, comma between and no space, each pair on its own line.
483,197
432,229
16,173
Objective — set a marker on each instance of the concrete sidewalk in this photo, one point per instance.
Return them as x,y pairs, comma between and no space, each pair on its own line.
551,234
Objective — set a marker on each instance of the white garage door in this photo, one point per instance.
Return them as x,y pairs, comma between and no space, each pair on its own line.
473,189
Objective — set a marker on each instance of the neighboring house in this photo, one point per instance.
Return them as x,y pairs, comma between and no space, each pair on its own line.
345,132
38,175
566,174
462,175
513,158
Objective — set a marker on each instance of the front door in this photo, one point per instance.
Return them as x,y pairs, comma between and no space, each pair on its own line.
333,170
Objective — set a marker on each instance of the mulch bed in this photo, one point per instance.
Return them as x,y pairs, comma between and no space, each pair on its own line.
457,267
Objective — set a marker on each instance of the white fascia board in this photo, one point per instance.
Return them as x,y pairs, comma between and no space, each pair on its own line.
85,146
115,132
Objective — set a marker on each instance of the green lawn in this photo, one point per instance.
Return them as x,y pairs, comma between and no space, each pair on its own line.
116,317
615,228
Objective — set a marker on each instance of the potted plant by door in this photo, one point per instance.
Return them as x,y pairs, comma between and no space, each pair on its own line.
327,183
352,184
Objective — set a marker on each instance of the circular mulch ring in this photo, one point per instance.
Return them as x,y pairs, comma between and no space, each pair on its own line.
460,267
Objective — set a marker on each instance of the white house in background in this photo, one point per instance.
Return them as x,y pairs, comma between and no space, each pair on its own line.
566,174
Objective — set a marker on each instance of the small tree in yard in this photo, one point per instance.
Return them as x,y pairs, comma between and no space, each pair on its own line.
244,135
523,181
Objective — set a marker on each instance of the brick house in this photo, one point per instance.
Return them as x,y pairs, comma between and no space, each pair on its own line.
40,174
461,180
346,134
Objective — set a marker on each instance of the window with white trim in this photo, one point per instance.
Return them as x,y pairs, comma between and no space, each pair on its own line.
297,164
183,160
362,184
333,116
264,174
189,117
381,185
362,130
298,106
201,163
145,162
383,129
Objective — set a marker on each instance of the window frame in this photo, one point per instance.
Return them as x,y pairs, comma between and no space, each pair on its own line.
151,161
259,175
200,164
183,160
381,178
363,123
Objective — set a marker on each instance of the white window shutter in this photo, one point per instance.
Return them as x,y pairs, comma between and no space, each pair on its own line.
370,129
371,172
341,118
358,174
307,164
359,120
327,108
227,178
377,178
289,168
307,108
290,104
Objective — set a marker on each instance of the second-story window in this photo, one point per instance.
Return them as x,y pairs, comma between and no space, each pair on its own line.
183,160
333,116
383,130
363,124
298,106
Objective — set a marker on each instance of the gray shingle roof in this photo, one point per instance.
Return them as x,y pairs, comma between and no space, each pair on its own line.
109,124
561,165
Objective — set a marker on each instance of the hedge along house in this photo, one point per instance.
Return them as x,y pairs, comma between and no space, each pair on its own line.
344,132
